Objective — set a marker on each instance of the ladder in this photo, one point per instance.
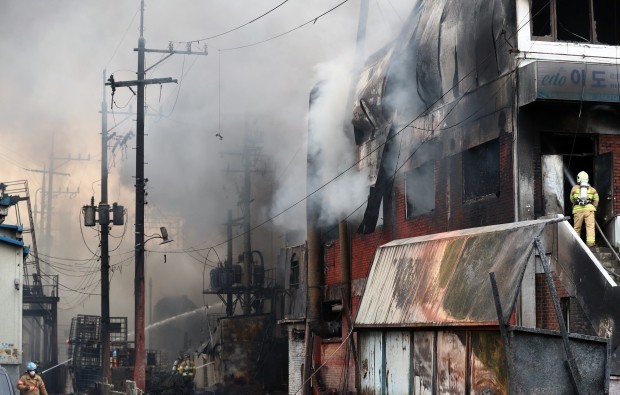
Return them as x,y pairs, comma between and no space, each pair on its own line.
32,267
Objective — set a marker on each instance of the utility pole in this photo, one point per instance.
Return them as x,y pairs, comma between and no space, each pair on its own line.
47,192
105,232
229,262
247,226
90,219
42,214
249,155
139,288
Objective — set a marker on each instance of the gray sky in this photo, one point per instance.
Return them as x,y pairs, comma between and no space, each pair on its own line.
54,54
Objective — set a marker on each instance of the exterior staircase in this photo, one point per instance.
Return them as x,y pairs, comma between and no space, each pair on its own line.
608,259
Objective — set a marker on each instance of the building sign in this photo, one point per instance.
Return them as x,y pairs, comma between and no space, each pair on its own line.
578,81
9,353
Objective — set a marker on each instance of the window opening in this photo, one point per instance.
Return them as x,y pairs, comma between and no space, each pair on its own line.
481,170
565,307
581,21
294,274
420,190
332,317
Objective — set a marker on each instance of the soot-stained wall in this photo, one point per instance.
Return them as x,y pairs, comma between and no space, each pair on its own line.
446,85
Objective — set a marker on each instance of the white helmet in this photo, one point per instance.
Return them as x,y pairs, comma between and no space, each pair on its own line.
582,176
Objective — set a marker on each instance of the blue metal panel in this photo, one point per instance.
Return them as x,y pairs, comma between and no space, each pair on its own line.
8,240
18,228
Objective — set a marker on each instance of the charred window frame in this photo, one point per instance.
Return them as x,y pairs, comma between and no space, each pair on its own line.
565,308
332,315
581,21
294,272
481,170
420,190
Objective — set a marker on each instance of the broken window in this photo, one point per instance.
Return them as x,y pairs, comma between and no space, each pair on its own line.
294,273
420,190
481,170
582,21
333,318
565,307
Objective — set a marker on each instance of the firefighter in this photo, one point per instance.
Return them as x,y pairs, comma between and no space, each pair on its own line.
175,365
31,383
187,369
585,200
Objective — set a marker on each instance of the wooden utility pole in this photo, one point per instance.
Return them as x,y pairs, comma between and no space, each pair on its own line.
140,83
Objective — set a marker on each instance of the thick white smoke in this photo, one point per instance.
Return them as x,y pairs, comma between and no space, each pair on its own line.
333,150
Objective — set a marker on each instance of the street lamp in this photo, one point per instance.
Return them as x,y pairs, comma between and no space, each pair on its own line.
140,352
163,234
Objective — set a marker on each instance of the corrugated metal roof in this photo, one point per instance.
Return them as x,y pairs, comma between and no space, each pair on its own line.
443,279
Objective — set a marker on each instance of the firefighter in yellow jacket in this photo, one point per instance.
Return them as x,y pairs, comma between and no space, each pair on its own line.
585,200
187,370
31,383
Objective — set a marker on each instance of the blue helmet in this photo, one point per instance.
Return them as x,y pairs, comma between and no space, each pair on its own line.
31,366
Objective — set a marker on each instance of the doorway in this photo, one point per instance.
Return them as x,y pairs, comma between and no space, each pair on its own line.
563,156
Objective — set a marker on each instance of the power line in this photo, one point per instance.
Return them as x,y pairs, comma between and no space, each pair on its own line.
313,21
231,30
422,113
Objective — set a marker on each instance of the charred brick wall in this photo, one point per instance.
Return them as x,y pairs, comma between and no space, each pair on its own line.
546,317
611,144
338,374
451,210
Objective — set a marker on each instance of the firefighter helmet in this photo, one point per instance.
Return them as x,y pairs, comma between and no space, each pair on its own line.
582,176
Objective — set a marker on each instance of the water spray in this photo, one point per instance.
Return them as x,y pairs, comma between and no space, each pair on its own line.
179,316
176,317
55,366
203,365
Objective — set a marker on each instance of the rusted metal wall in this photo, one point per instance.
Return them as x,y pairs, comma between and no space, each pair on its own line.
489,371
460,362
423,362
432,362
451,362
371,362
397,362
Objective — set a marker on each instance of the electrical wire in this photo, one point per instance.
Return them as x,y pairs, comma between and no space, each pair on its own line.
123,38
313,21
428,109
231,30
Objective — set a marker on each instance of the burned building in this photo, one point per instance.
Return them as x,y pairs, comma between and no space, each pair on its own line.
476,119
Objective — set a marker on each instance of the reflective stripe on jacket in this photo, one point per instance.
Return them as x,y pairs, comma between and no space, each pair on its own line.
25,382
187,369
592,199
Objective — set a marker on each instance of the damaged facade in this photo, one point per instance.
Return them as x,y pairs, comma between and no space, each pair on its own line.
477,116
